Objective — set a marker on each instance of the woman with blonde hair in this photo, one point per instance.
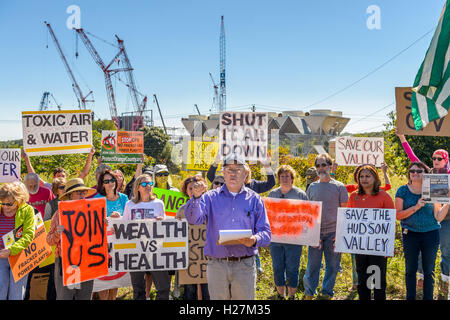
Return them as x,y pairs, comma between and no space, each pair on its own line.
14,213
145,205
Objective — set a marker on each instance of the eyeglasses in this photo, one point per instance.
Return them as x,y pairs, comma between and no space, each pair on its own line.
323,165
416,171
218,183
144,184
437,158
61,187
8,204
80,192
165,174
107,181
233,171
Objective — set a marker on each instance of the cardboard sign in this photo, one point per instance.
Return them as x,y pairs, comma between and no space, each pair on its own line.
294,221
405,123
122,146
244,134
84,250
196,270
201,154
173,200
9,165
57,132
366,231
436,188
146,245
354,151
36,252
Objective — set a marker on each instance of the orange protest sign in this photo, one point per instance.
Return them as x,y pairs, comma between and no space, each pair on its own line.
130,142
36,252
294,221
84,250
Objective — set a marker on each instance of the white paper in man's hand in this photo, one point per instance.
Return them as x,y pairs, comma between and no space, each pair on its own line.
228,237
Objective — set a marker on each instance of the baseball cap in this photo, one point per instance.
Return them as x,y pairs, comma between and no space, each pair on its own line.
160,168
234,158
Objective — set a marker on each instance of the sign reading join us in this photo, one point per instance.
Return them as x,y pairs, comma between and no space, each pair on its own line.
405,123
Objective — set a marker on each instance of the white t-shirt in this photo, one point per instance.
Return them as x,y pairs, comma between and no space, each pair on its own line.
143,210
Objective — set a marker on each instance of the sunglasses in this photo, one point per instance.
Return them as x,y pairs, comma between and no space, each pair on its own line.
165,174
323,165
8,204
144,184
61,187
437,158
107,181
218,183
416,171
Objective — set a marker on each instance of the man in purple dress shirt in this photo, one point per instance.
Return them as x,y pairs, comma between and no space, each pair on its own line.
231,269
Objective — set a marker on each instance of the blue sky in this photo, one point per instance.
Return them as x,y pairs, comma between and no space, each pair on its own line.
281,55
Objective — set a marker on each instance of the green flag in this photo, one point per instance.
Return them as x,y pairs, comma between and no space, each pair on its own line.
431,90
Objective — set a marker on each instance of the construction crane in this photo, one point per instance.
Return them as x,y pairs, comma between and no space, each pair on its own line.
139,107
45,101
160,114
223,91
215,107
82,100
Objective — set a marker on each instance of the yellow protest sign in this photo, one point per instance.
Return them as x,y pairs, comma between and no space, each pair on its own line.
201,154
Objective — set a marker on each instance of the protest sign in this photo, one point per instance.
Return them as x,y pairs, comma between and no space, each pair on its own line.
113,279
9,165
366,231
36,252
232,237
57,132
354,151
405,124
149,245
201,154
435,188
122,146
244,134
173,200
196,270
294,221
51,258
84,249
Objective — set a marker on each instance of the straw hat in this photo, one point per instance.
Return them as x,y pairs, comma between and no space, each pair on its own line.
75,185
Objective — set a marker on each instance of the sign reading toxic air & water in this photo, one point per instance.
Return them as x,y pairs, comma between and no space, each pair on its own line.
244,134
366,231
122,146
57,132
145,245
354,151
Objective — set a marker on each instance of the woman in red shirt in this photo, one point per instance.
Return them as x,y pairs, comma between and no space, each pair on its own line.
370,195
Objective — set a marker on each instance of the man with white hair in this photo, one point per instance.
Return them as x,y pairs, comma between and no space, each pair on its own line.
39,195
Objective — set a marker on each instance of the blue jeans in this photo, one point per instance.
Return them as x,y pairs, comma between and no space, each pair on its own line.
285,263
332,261
427,244
444,234
10,290
190,291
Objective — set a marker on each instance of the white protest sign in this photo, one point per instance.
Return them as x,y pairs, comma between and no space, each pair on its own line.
435,188
57,132
149,245
231,236
9,165
354,151
244,134
366,231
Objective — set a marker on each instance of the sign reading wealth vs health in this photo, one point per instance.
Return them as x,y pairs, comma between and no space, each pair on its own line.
435,188
294,221
9,165
57,132
122,146
354,151
36,252
244,134
366,231
84,249
149,245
